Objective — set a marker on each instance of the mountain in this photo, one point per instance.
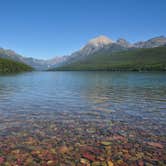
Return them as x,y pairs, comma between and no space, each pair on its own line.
102,46
154,42
55,61
9,54
130,60
101,42
10,66
124,43
93,47
35,63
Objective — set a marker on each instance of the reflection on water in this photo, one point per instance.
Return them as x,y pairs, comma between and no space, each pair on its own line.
86,114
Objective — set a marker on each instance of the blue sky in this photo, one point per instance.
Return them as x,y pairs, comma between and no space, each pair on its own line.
48,28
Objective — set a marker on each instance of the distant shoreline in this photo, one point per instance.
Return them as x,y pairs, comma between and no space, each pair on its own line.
139,71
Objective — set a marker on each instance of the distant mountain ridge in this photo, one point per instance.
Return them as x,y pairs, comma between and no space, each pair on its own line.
93,46
103,43
35,63
138,59
154,42
98,44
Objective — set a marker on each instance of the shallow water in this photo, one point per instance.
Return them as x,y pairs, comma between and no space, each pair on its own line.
83,109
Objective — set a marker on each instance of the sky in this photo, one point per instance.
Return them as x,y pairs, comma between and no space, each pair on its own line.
47,28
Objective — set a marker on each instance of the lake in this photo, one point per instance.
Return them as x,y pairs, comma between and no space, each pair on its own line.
83,118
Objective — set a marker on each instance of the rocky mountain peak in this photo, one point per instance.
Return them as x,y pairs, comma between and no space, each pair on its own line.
159,39
100,41
123,42
153,42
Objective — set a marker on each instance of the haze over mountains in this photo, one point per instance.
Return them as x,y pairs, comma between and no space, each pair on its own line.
93,46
